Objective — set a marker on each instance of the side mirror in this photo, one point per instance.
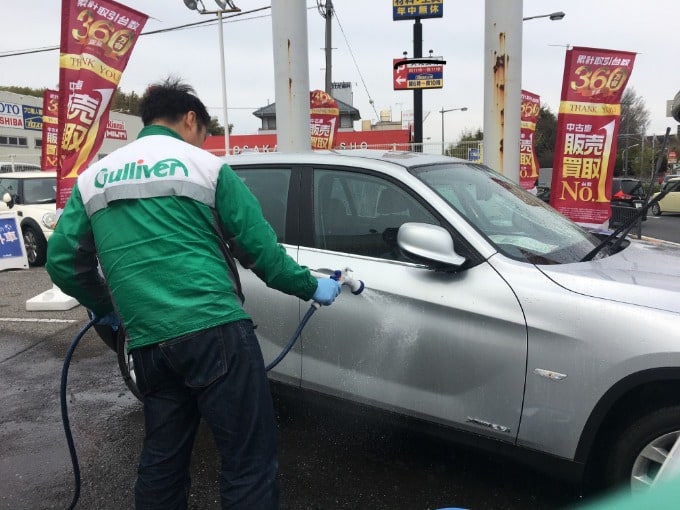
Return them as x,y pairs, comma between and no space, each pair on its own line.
7,199
430,243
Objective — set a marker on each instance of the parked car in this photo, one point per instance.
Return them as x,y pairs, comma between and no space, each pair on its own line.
487,317
33,196
671,202
628,191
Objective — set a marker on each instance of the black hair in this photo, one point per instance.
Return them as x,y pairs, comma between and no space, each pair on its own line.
169,100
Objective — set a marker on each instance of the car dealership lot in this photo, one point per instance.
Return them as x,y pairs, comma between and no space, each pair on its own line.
481,319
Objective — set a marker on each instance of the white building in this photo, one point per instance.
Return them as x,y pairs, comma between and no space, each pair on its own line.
21,129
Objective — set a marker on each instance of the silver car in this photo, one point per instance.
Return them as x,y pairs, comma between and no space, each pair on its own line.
485,313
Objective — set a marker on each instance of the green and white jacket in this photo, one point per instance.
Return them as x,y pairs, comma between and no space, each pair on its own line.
147,212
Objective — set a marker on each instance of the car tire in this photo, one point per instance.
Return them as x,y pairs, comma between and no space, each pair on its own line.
641,448
656,210
36,246
127,367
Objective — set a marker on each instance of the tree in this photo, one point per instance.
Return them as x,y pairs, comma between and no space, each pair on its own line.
632,129
544,139
468,139
215,128
121,102
24,91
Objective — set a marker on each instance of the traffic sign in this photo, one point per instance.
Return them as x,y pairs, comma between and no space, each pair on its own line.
409,75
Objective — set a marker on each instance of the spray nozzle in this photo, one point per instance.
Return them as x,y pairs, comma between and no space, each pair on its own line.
355,285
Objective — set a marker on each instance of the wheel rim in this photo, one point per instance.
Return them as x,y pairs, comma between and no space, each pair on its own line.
31,244
130,364
656,210
649,461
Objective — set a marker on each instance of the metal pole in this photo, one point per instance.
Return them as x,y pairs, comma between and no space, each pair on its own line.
224,85
329,49
291,75
502,85
418,93
442,112
642,157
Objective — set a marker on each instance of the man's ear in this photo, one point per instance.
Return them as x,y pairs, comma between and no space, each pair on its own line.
190,119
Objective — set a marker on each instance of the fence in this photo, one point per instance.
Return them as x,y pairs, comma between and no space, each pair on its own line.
622,214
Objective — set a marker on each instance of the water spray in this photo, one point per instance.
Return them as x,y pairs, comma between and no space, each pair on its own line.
344,278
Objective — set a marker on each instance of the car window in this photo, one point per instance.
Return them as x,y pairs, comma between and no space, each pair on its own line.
632,187
270,186
361,214
10,186
40,191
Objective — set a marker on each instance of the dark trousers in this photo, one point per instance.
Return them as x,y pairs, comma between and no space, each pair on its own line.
217,374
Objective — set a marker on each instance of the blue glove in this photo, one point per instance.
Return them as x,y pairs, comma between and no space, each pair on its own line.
110,319
327,290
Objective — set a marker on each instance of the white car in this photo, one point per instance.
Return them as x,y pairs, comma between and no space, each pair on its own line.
33,195
671,202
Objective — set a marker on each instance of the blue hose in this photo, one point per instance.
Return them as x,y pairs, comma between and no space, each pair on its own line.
294,338
64,380
64,411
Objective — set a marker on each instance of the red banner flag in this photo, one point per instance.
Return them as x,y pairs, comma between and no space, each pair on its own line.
324,119
96,42
528,162
49,159
587,127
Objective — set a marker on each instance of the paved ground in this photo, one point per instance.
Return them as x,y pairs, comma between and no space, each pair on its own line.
328,459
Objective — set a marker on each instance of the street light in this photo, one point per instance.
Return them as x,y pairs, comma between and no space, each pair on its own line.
442,111
225,6
554,16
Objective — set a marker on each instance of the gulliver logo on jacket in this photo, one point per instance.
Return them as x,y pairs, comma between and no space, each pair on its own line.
138,170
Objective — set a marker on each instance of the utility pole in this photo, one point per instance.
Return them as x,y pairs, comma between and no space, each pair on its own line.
418,92
326,10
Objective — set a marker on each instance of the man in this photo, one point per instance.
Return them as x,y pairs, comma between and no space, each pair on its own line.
149,214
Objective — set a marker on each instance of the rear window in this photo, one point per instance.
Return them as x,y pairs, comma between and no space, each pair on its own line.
629,186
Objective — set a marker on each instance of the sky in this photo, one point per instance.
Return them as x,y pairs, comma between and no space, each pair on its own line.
365,41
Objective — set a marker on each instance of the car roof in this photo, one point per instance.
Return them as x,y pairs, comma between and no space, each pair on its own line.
380,159
28,174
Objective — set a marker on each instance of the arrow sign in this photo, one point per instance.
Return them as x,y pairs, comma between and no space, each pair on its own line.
416,73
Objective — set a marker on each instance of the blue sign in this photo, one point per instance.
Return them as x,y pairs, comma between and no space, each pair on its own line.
33,117
10,238
426,80
412,9
473,154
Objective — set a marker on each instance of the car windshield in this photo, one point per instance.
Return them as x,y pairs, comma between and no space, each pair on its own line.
517,223
40,191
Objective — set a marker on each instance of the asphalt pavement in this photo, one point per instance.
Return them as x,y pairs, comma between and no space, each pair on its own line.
328,459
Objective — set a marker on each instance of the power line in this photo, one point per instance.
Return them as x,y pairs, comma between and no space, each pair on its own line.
210,22
370,99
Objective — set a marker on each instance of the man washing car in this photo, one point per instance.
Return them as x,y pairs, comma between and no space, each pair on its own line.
151,214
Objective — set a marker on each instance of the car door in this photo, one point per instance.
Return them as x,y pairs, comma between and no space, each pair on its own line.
447,347
671,202
275,315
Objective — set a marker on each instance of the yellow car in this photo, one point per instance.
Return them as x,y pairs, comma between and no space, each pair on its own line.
671,202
